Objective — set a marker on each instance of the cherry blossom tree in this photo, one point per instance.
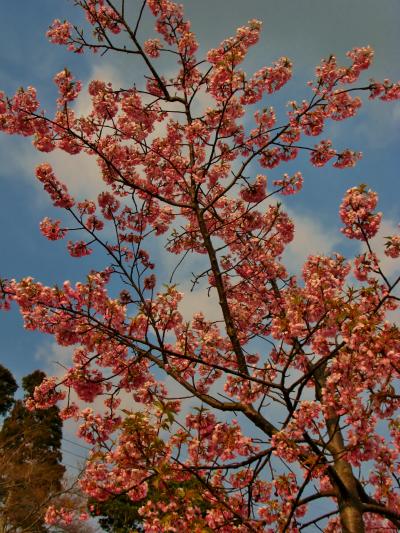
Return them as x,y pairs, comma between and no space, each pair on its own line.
287,420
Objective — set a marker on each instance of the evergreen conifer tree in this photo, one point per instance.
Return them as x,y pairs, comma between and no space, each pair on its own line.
8,387
30,457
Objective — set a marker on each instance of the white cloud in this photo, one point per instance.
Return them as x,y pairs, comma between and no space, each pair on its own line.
203,301
389,266
56,358
80,172
310,238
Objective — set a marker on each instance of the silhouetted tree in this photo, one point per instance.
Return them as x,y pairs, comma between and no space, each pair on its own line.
30,460
8,387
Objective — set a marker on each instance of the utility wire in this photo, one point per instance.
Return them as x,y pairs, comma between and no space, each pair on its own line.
76,444
74,454
72,466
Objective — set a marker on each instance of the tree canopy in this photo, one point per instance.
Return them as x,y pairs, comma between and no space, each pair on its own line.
30,457
8,387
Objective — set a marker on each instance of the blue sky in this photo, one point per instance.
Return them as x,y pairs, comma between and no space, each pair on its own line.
305,31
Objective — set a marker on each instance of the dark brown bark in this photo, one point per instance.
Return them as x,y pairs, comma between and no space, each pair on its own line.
342,476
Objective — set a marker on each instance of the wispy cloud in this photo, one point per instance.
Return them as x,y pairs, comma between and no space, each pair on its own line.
80,172
389,266
386,123
54,358
311,237
201,300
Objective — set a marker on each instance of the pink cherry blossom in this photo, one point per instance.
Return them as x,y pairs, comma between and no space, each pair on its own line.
51,229
357,213
284,401
393,246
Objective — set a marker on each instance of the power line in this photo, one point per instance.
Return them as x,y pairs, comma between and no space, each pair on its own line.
74,454
76,444
72,466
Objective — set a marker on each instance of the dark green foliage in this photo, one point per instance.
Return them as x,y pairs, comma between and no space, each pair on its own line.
120,514
31,469
8,387
31,381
